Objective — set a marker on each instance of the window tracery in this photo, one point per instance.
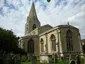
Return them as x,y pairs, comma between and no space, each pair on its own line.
53,41
42,45
69,40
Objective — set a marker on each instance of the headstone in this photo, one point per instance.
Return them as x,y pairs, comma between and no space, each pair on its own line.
53,59
72,62
56,58
18,62
78,59
34,60
50,59
69,57
1,61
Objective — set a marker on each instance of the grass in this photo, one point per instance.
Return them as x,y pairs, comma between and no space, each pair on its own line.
25,62
30,63
63,62
59,62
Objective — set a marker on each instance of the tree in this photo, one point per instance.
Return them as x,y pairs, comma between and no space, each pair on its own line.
9,42
83,47
48,0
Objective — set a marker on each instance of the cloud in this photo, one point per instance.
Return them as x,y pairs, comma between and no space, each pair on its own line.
61,12
13,13
1,3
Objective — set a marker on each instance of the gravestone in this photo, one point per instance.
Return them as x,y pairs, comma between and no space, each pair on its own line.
72,62
53,60
34,60
78,59
17,61
50,60
56,58
1,61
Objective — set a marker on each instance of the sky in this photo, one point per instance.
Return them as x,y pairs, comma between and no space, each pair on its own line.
13,14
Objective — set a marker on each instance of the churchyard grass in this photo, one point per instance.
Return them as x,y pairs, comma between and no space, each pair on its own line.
25,62
30,63
59,62
62,62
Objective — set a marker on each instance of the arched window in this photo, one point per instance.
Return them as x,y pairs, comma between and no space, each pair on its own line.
42,45
31,46
34,26
69,40
53,41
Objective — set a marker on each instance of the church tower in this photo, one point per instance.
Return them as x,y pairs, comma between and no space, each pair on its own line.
32,20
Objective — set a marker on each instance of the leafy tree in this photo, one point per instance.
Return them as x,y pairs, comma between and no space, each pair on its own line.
48,0
83,46
9,42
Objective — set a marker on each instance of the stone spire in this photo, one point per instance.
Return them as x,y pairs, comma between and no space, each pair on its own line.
32,12
32,20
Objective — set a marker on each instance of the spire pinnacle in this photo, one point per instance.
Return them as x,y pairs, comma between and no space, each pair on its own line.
68,23
32,10
32,20
32,13
32,1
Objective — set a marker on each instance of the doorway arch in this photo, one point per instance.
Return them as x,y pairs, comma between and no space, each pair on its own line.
31,46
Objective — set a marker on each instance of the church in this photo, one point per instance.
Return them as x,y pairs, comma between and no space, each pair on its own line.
46,41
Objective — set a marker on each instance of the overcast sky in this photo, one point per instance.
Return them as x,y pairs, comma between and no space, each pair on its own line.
13,14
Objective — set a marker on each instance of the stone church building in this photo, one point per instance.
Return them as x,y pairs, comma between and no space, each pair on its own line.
45,41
